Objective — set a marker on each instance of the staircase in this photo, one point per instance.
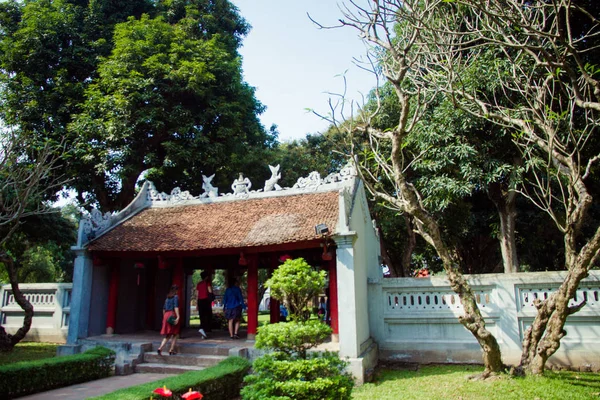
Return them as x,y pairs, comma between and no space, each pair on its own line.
190,357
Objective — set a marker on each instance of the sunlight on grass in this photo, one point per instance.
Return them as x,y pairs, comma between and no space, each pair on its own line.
451,382
28,351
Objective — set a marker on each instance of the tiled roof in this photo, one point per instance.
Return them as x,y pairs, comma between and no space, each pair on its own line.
233,224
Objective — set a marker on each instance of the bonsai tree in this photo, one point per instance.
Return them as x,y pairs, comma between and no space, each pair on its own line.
291,372
295,283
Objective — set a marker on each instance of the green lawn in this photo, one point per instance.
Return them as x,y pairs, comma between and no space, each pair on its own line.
29,351
451,382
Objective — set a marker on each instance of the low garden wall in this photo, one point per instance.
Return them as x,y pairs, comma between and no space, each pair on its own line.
416,319
51,306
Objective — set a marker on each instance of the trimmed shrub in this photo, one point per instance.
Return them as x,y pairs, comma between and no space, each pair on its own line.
29,377
296,283
220,382
292,338
277,376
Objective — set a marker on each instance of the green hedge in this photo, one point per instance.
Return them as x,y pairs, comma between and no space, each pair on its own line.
221,382
29,377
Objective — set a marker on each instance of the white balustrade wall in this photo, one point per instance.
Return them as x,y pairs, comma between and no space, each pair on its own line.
51,306
416,319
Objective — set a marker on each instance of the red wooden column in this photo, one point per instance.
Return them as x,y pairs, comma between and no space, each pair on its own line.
252,296
113,295
178,279
333,297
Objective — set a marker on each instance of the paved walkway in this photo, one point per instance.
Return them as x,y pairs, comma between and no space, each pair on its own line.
97,388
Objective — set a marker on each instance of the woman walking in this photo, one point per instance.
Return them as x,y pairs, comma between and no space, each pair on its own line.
233,301
170,323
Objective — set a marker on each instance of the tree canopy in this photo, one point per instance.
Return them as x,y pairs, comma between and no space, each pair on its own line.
539,65
133,86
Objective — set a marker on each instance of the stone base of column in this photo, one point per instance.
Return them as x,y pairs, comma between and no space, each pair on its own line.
251,336
335,337
110,330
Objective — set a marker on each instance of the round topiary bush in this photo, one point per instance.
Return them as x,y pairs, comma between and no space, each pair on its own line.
277,376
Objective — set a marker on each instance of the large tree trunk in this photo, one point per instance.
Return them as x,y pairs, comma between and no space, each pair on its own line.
542,338
506,205
8,341
472,318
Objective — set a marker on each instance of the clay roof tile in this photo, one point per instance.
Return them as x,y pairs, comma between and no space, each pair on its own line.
230,224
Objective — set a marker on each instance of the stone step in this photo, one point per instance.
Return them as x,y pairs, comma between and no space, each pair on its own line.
165,368
198,348
183,359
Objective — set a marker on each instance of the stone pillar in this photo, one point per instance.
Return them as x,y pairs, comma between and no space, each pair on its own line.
113,295
81,296
346,297
252,296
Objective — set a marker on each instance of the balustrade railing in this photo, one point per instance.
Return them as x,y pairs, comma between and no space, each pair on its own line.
51,305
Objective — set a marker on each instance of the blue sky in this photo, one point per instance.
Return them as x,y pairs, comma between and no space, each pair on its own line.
293,64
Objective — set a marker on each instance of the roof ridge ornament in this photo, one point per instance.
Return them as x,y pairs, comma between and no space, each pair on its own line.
96,222
241,187
175,196
311,182
209,190
271,183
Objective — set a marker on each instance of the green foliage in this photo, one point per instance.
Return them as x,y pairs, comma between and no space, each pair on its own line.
292,338
35,376
290,372
132,86
318,377
41,249
296,283
325,153
219,382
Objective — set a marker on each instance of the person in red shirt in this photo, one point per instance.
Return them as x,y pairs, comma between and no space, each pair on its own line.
205,299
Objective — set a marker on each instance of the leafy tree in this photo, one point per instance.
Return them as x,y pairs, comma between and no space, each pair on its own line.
325,153
296,283
26,171
290,372
41,248
545,79
135,86
383,161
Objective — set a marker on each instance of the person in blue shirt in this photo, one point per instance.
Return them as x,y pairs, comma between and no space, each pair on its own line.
233,302
283,313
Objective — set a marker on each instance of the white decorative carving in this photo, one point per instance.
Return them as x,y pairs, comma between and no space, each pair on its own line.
175,196
241,186
96,222
209,189
178,195
311,182
271,183
154,195
348,171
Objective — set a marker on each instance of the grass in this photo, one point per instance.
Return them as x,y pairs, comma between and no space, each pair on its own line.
451,382
29,351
